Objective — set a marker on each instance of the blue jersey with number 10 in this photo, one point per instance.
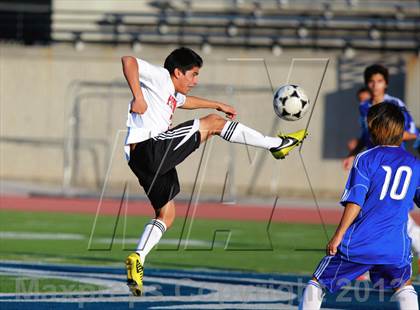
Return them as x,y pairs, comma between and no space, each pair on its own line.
384,181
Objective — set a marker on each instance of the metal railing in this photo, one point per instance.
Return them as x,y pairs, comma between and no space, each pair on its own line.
79,93
297,29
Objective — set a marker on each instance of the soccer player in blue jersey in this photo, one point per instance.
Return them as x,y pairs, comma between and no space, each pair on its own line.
372,234
376,80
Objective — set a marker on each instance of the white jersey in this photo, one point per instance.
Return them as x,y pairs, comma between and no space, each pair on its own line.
162,100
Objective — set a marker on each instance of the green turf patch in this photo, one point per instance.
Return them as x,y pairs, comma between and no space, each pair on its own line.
12,284
242,245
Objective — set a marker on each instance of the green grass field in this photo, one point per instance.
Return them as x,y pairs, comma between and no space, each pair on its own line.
294,248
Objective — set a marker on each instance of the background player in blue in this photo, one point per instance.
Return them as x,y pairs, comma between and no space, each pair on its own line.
376,79
372,234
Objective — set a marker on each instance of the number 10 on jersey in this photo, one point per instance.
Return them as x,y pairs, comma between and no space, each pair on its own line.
396,182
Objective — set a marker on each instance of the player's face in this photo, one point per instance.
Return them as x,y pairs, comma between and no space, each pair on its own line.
188,80
363,96
377,85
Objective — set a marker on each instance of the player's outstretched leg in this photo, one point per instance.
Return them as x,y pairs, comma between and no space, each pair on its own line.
151,235
236,132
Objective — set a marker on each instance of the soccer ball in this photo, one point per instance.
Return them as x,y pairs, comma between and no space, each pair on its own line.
290,102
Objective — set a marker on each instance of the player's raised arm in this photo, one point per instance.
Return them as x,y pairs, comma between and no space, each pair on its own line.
131,74
193,102
410,131
409,136
351,211
348,161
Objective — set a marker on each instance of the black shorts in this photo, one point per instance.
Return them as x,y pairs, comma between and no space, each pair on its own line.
153,161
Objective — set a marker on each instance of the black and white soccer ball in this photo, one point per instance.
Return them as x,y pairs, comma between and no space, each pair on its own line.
290,102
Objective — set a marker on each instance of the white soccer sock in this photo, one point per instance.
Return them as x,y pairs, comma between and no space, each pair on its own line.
312,296
414,234
407,298
239,133
152,233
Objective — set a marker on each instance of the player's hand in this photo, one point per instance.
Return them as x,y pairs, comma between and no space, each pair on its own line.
333,245
348,162
138,106
228,110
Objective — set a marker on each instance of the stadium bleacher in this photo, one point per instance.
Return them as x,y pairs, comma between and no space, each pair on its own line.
346,25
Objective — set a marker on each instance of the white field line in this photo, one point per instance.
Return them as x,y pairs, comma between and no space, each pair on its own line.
19,235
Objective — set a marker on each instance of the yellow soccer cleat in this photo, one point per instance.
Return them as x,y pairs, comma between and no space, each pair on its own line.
134,274
290,141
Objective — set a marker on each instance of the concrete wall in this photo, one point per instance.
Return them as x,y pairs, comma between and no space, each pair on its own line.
39,85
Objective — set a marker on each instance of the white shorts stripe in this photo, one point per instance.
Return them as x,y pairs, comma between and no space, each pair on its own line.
171,137
324,264
171,133
194,128
321,264
186,132
174,135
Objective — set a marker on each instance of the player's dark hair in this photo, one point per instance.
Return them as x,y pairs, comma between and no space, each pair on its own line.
386,124
376,69
184,59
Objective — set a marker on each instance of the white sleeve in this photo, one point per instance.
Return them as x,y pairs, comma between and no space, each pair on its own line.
180,99
149,73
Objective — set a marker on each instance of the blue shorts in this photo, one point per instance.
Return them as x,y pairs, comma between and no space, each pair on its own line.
333,273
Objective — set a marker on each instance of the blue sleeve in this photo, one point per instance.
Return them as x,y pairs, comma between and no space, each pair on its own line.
358,182
417,197
417,194
364,136
409,125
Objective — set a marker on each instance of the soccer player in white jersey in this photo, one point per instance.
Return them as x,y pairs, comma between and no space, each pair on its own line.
153,148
